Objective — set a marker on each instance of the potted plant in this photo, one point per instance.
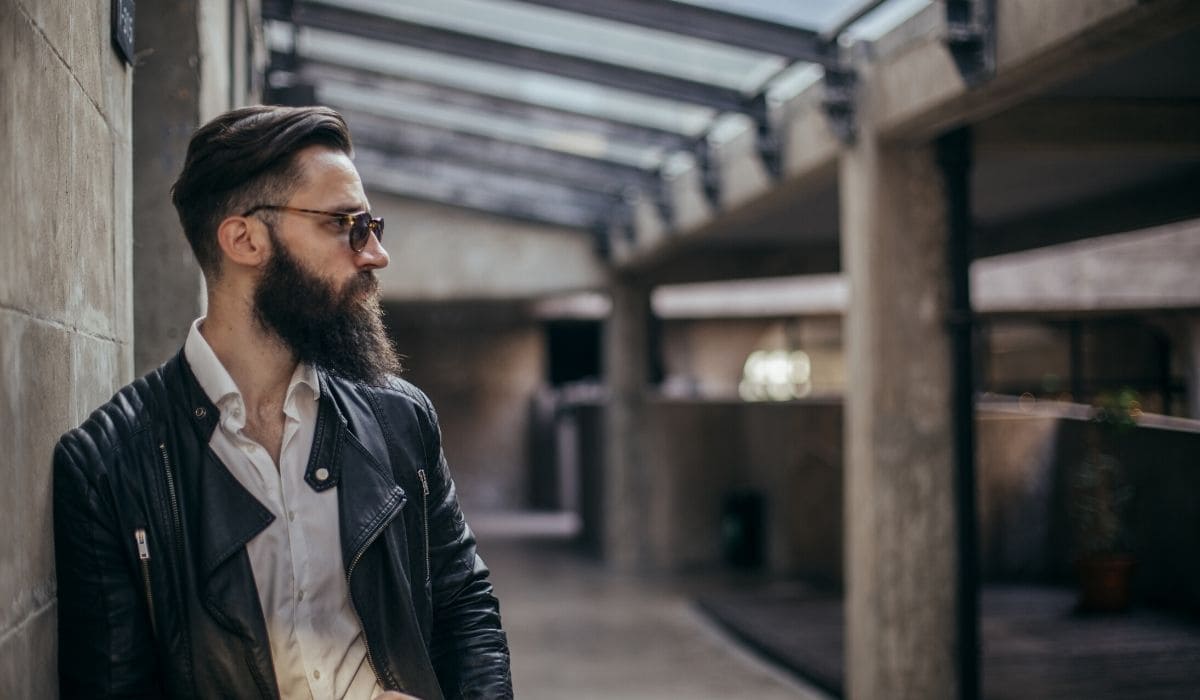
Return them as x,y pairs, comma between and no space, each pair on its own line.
1101,492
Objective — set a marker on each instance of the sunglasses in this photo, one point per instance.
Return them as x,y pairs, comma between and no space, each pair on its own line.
360,226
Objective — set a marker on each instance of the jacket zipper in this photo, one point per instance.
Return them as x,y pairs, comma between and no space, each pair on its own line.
143,549
425,519
162,447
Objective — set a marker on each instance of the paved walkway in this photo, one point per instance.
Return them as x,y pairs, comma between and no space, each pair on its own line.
578,632
1034,645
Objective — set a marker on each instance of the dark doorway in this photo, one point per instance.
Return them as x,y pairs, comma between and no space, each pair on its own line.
573,349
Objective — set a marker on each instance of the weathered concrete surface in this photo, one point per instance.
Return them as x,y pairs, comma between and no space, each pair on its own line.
790,453
440,253
910,88
65,308
579,631
481,366
917,92
169,97
734,149
899,500
1149,270
625,486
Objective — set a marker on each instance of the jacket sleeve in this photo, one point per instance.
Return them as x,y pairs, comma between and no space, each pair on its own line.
469,649
105,646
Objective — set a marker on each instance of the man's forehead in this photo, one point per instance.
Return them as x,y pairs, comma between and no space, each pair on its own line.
322,159
331,174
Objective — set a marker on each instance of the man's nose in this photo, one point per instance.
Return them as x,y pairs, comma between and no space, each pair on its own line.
373,256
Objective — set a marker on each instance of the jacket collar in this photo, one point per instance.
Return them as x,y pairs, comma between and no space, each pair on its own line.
229,516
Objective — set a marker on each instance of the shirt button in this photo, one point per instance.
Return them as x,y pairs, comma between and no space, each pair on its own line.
316,674
300,595
322,474
291,515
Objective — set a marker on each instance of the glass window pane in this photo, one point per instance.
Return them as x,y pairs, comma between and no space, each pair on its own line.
485,78
601,40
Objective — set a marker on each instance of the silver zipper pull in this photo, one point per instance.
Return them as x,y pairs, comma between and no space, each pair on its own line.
424,482
143,549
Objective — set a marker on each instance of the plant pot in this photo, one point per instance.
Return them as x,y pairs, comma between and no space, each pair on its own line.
1104,582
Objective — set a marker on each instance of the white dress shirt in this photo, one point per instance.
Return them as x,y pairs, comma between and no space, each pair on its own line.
316,639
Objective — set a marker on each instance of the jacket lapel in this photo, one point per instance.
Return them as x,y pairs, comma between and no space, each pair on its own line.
229,517
232,517
368,495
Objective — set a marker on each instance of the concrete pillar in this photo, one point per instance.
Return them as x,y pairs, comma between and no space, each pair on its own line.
625,496
186,75
899,510
65,321
167,284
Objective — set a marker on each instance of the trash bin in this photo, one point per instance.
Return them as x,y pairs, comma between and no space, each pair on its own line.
743,529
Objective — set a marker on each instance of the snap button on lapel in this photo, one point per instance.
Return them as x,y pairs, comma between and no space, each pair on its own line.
200,412
322,474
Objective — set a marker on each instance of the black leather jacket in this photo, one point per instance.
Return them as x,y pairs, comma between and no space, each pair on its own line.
185,621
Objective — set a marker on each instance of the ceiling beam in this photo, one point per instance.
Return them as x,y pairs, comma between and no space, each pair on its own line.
493,192
305,13
795,43
314,72
431,143
425,141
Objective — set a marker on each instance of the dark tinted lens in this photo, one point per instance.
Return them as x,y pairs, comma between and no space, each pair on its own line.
359,230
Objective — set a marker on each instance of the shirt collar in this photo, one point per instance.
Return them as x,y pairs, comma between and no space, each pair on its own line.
216,382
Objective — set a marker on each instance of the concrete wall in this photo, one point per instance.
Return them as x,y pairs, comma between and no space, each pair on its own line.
481,366
704,358
1151,269
65,296
792,454
440,253
1026,466
184,78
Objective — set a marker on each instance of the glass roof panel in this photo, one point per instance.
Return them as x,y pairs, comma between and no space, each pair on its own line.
609,42
821,14
485,78
887,17
581,143
500,193
808,14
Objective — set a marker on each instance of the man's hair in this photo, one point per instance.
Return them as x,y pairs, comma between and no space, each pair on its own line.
242,159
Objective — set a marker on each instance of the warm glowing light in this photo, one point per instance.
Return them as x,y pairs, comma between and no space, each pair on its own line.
776,375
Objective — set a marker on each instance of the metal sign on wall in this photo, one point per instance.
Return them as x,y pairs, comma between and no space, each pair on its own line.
122,28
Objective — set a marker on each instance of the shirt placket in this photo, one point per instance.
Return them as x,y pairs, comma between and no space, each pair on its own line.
291,480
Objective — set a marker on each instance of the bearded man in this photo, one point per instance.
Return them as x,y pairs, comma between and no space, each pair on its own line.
269,513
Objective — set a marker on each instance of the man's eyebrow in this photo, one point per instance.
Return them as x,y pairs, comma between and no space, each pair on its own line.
349,208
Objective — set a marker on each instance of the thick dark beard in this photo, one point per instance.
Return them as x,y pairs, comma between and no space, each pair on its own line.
340,333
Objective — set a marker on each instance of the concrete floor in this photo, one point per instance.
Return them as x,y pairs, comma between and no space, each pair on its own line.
579,632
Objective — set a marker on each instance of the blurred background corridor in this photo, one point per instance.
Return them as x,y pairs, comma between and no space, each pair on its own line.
782,348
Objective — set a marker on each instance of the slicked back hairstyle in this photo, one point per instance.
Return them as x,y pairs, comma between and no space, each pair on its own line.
244,158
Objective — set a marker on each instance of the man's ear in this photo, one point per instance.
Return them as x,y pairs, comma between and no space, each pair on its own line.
244,241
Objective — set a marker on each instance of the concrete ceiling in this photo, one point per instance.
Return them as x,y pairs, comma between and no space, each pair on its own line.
687,178
1116,148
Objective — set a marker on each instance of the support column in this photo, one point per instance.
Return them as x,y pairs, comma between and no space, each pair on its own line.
188,71
901,556
167,288
625,485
